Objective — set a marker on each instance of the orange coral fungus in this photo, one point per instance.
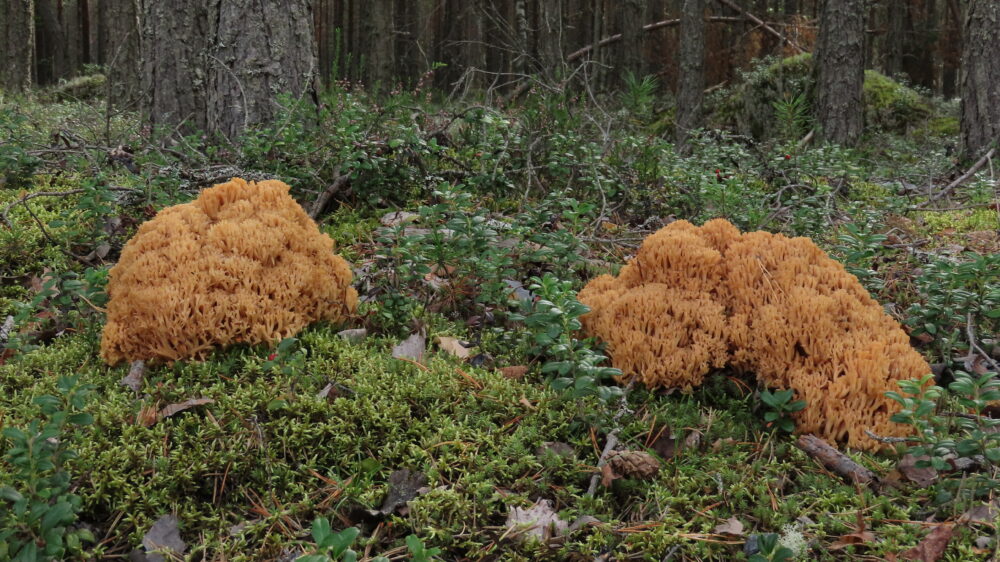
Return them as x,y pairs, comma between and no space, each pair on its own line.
242,263
697,298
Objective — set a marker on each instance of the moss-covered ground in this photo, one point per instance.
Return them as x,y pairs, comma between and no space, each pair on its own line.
277,446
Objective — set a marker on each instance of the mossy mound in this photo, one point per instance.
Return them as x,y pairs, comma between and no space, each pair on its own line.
749,107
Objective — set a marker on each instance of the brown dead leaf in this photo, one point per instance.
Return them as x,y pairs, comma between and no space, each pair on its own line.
539,521
732,526
172,409
164,536
852,539
135,374
984,513
608,475
922,477
453,346
664,443
147,416
932,546
515,372
720,443
692,440
411,348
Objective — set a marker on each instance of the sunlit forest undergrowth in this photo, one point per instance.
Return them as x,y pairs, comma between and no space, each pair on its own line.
470,227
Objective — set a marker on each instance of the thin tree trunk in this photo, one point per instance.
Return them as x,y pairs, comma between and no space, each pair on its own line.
379,36
550,29
895,37
840,71
118,48
692,70
634,11
980,77
17,40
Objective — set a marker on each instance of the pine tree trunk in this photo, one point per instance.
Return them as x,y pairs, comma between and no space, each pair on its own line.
840,71
17,40
895,38
633,12
691,87
549,37
174,43
118,48
218,66
980,77
379,42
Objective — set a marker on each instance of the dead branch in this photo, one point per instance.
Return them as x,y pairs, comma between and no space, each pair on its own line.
970,332
612,440
962,179
324,198
836,461
763,25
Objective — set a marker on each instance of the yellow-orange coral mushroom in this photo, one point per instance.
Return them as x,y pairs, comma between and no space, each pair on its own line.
242,263
698,298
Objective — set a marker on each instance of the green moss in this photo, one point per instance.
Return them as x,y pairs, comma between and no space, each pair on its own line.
961,220
890,105
750,106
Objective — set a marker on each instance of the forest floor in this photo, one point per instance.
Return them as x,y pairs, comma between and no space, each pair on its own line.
459,437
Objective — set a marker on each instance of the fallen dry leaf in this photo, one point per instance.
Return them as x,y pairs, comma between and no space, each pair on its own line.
515,372
922,477
608,475
172,409
394,218
356,335
135,374
163,536
147,416
540,521
984,513
932,546
556,449
404,485
862,537
732,526
453,346
665,443
411,348
692,440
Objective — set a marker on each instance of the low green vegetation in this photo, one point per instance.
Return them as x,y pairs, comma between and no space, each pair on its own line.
476,225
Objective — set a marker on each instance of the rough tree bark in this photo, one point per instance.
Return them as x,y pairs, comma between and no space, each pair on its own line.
691,87
118,48
980,77
840,71
633,18
17,40
549,37
218,65
380,38
895,37
173,45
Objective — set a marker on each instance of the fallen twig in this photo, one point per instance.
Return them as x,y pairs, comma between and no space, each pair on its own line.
612,441
962,179
971,334
763,25
324,198
835,460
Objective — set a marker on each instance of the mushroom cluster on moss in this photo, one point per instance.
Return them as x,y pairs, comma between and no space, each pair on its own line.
698,298
242,263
